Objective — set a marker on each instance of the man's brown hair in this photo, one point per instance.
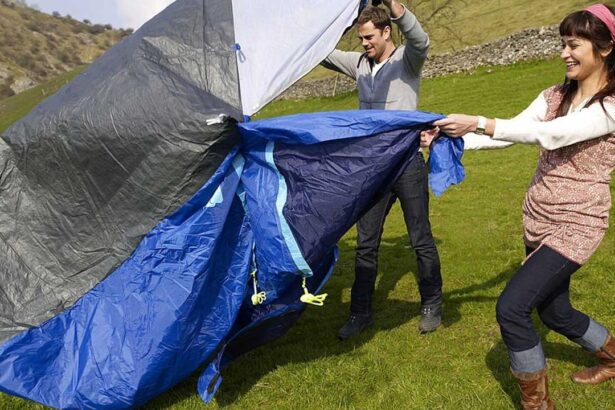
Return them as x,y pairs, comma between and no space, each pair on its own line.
379,18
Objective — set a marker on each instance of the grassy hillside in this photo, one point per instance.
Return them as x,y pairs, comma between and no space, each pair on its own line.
466,22
36,47
13,108
478,231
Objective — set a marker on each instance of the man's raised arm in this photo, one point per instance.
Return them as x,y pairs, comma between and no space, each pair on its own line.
417,40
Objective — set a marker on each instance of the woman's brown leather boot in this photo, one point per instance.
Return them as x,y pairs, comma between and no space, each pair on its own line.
534,390
604,371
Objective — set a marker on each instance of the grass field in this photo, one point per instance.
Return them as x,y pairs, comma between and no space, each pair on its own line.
478,231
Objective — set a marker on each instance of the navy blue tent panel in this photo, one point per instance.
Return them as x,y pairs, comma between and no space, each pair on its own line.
275,207
352,180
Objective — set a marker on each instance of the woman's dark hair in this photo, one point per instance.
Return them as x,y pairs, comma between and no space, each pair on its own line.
585,25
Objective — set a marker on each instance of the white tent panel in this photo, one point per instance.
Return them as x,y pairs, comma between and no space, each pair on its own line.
280,41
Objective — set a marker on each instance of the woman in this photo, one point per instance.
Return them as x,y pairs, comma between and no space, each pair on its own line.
566,208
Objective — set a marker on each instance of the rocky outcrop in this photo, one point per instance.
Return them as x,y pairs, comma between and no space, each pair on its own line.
22,83
4,72
528,44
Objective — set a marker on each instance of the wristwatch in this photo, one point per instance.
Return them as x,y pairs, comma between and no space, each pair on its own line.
481,125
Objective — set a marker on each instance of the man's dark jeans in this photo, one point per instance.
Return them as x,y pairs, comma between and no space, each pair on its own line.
412,191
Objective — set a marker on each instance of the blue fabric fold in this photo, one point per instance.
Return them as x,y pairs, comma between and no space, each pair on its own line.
445,167
445,164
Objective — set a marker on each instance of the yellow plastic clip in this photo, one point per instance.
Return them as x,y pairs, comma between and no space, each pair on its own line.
307,297
258,298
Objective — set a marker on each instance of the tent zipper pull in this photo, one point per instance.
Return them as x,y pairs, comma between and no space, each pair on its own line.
258,298
307,297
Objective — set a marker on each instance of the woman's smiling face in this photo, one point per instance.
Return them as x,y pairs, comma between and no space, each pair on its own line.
581,61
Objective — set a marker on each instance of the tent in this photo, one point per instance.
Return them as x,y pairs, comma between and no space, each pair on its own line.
148,229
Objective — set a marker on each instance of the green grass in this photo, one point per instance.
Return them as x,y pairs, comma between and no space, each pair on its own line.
478,231
15,107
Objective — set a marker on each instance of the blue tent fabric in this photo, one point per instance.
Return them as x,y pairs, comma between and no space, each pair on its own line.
445,168
353,182
314,128
152,321
276,205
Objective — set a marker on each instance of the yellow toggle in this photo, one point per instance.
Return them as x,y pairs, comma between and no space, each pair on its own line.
257,298
307,297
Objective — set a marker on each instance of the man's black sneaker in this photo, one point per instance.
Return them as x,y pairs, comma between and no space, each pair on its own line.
431,317
356,324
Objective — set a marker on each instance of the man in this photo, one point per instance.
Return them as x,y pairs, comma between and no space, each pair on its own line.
388,78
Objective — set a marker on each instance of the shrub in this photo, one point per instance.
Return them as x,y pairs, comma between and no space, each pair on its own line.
9,41
5,90
33,26
39,70
96,29
52,42
26,60
65,57
77,59
126,32
8,3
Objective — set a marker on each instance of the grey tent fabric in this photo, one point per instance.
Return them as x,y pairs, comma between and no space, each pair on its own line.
96,166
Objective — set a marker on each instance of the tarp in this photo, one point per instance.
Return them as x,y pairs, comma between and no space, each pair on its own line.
276,206
134,209
96,166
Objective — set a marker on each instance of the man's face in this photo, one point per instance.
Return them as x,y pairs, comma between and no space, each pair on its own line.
374,41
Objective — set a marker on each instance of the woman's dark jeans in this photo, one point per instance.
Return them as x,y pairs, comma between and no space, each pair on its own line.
543,283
